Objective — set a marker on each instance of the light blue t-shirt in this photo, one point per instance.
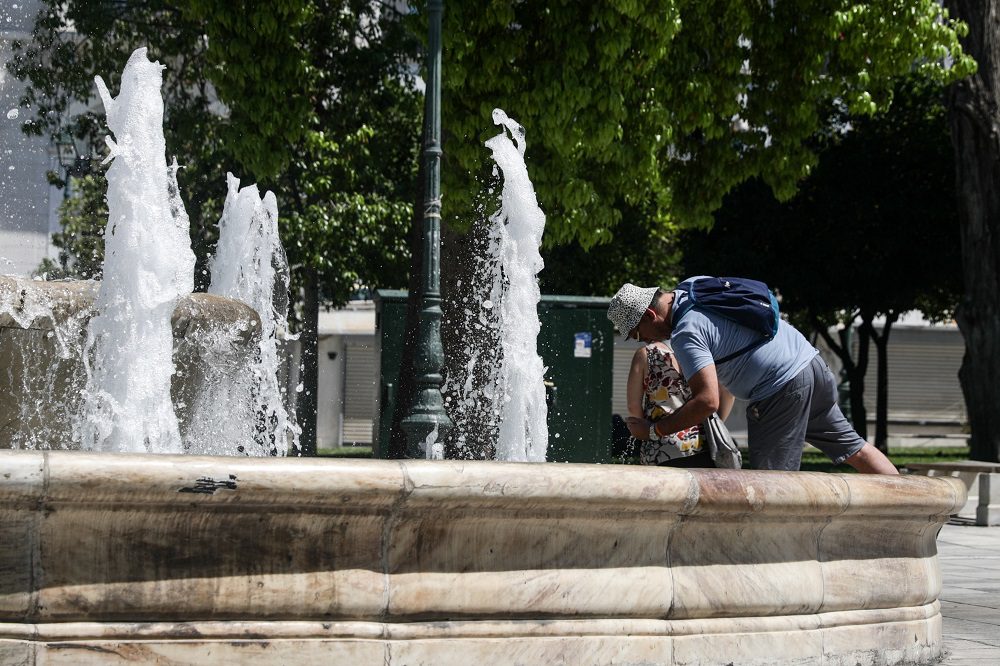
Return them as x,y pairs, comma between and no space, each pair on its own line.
701,337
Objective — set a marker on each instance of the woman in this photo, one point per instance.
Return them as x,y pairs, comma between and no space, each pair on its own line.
657,388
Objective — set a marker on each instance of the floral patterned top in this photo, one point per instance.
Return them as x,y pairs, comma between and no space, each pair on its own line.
664,390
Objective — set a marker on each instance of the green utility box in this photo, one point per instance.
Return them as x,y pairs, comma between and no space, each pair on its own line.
390,328
576,343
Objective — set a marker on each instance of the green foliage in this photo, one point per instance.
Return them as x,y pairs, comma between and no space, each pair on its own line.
352,176
641,114
873,231
81,241
663,106
257,63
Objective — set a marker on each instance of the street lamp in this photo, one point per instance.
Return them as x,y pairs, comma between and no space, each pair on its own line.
71,158
426,413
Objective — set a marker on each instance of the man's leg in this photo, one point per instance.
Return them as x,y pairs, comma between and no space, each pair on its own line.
776,425
831,432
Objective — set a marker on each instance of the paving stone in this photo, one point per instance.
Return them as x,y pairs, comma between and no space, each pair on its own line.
971,612
970,595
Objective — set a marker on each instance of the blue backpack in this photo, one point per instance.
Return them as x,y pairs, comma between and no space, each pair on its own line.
748,303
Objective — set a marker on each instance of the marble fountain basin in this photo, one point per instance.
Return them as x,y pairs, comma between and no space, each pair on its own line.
109,558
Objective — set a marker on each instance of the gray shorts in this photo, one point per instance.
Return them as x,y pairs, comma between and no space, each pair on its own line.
803,410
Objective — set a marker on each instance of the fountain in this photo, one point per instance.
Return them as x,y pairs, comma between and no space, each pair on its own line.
108,366
153,559
506,392
250,266
149,266
204,559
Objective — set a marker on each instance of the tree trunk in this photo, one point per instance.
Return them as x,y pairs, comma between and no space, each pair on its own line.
472,351
855,370
882,382
306,405
856,375
974,113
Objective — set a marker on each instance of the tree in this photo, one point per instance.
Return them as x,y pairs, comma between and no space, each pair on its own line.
974,108
872,233
256,60
81,241
353,178
661,106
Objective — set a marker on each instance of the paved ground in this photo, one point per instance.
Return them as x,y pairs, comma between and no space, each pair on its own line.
970,596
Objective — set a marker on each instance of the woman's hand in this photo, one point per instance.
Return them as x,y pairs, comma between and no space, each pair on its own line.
639,427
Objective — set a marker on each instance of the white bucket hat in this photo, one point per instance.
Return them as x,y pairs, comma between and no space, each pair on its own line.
628,306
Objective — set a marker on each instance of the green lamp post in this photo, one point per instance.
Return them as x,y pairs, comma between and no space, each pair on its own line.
426,413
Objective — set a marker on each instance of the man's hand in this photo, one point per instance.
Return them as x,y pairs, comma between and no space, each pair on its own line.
638,427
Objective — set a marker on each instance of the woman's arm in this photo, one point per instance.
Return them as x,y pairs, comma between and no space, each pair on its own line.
636,383
634,390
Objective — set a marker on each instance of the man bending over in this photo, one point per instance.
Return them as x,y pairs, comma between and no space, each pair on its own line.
792,393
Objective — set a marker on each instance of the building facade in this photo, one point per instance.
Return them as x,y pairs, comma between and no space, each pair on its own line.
28,204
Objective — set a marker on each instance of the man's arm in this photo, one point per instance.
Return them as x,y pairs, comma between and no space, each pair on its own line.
726,400
704,401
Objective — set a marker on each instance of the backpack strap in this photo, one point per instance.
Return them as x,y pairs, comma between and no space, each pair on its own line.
683,308
689,305
748,348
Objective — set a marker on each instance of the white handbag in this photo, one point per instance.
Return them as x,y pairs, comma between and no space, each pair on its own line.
721,445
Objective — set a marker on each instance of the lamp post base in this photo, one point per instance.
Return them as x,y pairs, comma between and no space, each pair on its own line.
426,424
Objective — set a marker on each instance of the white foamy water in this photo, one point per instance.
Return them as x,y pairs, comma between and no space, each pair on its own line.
250,266
433,449
149,265
516,236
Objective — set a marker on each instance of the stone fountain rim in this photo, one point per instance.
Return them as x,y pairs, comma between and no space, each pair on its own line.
75,298
109,478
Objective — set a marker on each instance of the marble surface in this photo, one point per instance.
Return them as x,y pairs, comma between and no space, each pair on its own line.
196,559
988,506
902,635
